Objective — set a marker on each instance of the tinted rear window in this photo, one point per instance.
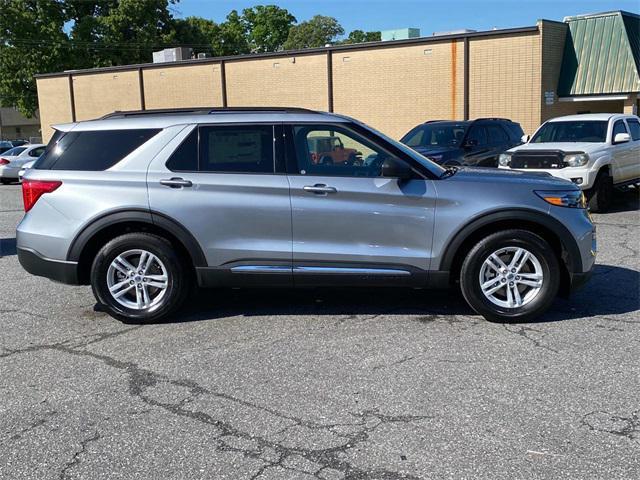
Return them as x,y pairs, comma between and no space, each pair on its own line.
91,150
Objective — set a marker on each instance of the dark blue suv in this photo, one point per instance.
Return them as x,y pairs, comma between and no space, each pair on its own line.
475,143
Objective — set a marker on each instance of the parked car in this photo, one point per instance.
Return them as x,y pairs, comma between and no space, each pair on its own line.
143,205
476,143
330,149
19,143
597,152
5,145
24,169
12,160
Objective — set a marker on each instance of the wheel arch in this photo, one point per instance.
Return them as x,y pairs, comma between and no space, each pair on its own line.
93,236
553,231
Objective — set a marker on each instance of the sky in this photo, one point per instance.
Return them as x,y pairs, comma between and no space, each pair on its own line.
427,15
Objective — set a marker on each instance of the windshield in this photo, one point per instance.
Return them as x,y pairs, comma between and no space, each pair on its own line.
576,131
435,135
14,152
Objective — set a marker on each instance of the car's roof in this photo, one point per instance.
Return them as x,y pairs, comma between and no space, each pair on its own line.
589,116
151,119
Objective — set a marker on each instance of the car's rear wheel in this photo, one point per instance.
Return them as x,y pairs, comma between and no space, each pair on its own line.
139,277
511,275
601,195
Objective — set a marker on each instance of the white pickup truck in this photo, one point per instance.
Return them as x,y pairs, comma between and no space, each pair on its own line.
596,151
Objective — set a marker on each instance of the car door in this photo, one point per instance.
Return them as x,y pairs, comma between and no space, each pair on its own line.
221,183
623,154
475,146
349,223
498,143
634,148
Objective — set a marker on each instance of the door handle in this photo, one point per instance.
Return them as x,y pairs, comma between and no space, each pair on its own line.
176,182
319,189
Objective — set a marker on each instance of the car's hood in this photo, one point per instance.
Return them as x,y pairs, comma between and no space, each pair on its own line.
586,147
495,175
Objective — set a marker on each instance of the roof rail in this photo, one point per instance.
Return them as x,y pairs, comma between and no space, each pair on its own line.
202,111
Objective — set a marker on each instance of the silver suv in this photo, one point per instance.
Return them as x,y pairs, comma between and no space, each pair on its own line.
143,205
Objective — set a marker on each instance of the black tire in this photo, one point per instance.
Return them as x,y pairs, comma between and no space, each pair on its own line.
178,283
601,195
470,282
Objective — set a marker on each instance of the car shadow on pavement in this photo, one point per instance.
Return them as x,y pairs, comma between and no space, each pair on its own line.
8,247
602,296
625,202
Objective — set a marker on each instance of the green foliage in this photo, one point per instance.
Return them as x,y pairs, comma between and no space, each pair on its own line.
42,36
317,32
31,41
267,27
360,36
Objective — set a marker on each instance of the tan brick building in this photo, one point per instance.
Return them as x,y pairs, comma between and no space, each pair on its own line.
393,86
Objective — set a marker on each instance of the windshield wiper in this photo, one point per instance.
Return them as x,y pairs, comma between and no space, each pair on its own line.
449,171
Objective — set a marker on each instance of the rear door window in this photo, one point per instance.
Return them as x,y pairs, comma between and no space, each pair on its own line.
496,134
237,149
634,127
478,135
92,150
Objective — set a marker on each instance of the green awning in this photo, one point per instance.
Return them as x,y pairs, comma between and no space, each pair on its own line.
601,55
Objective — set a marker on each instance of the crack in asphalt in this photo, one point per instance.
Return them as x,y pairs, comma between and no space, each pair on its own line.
605,422
523,331
75,460
32,426
140,379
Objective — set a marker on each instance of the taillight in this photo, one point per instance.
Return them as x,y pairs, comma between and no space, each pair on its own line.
4,161
32,190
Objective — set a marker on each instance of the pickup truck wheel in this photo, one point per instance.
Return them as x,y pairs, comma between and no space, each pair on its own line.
139,277
510,276
601,195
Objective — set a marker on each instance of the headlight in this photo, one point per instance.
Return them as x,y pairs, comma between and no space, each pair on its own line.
576,159
564,198
504,159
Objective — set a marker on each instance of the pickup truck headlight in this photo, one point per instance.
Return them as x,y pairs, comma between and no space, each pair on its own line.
563,198
504,159
576,159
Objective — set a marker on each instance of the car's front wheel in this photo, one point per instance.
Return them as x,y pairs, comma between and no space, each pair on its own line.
139,277
511,275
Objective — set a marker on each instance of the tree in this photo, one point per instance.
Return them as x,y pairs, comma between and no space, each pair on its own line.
267,27
32,40
204,36
317,32
360,36
233,35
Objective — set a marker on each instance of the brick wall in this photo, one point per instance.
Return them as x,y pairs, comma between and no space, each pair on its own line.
504,74
54,101
296,81
102,93
187,86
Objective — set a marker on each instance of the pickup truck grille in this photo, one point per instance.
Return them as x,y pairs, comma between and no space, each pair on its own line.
538,159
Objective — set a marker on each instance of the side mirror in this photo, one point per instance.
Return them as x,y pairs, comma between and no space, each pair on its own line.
621,138
394,168
525,138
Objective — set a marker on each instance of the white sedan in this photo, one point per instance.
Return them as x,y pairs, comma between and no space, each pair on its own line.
12,161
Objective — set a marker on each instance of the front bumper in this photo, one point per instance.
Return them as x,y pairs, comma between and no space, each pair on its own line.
56,270
583,177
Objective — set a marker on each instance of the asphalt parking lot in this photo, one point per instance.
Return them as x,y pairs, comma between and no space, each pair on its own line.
328,384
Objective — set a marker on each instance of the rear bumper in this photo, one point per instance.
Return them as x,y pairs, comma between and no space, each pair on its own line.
9,172
56,270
